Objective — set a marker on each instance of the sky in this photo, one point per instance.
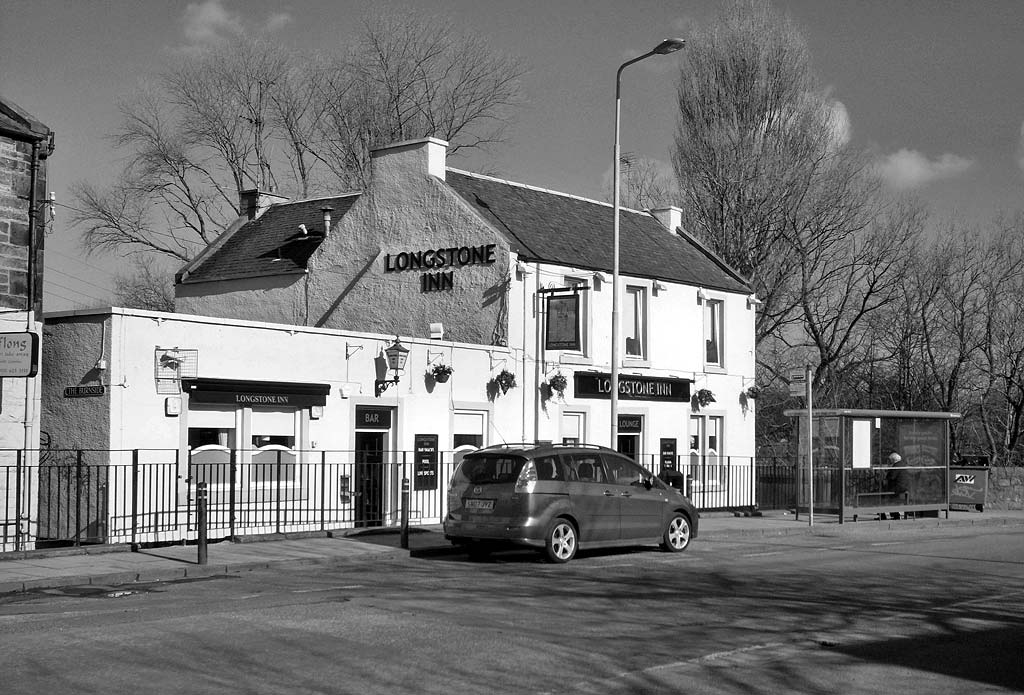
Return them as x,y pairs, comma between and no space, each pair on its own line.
933,89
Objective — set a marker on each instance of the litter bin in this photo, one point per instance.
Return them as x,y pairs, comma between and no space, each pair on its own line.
968,485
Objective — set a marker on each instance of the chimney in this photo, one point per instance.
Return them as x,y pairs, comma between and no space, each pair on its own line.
670,217
410,157
327,210
253,202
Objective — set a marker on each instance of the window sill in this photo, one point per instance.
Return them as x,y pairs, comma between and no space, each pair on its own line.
714,369
575,359
634,362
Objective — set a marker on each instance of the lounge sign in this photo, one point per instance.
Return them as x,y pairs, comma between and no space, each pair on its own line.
636,388
434,261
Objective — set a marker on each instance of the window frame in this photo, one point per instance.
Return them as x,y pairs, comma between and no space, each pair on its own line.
713,311
636,295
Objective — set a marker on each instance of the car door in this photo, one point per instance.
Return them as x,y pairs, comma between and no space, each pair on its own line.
595,505
642,498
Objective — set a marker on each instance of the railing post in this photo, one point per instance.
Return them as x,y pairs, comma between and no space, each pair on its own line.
135,499
201,522
17,501
277,494
231,496
323,490
405,503
78,498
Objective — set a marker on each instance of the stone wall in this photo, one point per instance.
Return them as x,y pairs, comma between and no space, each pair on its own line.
1005,487
15,190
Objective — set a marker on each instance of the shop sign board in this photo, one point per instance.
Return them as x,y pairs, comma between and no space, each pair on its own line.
636,388
19,354
631,424
370,418
668,454
91,390
425,473
563,322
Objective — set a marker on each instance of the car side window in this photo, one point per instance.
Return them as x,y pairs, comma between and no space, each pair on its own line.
549,468
585,467
626,472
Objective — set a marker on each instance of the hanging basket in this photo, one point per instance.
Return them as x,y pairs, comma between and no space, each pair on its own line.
704,398
441,372
505,380
558,383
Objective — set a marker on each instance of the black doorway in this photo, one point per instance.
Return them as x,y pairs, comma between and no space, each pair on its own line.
369,479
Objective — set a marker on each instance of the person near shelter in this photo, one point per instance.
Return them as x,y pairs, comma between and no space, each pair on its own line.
898,481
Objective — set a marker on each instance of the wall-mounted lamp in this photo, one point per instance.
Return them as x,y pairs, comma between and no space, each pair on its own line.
753,301
436,331
702,296
397,354
659,287
522,269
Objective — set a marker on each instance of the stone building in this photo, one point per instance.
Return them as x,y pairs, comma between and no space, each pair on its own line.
25,145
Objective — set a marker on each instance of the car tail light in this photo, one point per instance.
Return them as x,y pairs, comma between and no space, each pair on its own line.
527,478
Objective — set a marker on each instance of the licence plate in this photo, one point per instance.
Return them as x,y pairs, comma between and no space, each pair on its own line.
480,505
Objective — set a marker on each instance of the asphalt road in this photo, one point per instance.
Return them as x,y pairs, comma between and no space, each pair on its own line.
940,610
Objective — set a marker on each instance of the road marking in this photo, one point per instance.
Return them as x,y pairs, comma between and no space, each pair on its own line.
327,588
890,543
769,552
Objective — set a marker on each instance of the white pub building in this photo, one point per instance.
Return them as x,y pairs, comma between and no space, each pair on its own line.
323,350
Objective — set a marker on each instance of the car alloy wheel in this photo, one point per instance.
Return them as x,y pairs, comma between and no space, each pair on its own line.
677,534
560,542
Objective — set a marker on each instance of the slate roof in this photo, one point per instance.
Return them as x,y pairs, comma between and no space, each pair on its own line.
271,244
566,230
540,225
18,124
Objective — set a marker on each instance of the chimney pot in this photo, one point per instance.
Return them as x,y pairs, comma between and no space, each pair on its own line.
327,210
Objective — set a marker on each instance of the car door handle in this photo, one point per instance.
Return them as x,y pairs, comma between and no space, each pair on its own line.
625,494
609,493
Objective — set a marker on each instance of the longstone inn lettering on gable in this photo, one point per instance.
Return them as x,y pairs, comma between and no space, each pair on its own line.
433,259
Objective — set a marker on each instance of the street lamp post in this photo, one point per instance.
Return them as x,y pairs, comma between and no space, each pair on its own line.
666,46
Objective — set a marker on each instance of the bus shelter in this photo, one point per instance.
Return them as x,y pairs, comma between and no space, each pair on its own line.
873,462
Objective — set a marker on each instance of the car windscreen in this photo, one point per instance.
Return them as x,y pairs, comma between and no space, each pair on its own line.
487,469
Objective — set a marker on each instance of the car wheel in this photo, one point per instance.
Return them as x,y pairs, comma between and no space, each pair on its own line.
677,534
560,542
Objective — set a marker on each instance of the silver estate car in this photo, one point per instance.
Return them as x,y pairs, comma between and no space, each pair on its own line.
559,498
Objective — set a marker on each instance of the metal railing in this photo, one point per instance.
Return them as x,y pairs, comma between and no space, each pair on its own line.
147,496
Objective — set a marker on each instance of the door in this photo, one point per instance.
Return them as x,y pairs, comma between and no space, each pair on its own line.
641,508
369,479
596,506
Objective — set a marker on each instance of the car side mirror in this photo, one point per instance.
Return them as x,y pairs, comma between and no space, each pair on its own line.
648,484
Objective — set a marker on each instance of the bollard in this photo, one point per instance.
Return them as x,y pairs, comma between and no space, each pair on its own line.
405,514
201,520
689,486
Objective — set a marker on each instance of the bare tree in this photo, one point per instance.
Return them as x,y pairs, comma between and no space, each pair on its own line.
407,78
757,155
146,287
644,185
251,114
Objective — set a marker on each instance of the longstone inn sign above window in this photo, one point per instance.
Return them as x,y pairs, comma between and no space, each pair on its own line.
635,388
255,393
434,260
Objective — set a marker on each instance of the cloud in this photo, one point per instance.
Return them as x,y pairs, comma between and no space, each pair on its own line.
209,22
911,169
278,20
839,120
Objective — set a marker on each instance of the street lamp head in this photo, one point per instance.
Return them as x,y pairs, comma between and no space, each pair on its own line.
668,46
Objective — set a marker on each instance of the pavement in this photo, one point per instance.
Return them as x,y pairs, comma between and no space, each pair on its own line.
112,566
